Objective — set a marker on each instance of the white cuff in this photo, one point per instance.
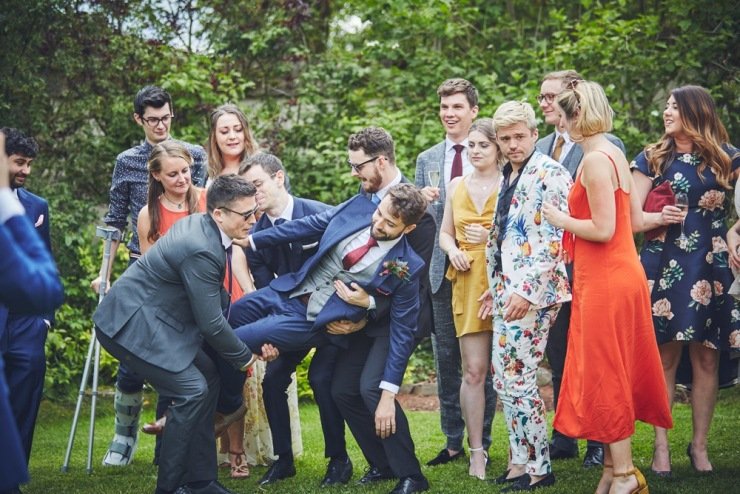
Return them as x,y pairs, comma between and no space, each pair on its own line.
371,305
389,387
251,243
9,205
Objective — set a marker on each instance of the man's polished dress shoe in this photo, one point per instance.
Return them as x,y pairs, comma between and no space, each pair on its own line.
410,485
560,453
281,469
375,474
594,456
523,483
339,471
444,456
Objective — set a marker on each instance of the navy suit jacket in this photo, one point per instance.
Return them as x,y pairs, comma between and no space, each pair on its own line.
29,282
265,264
37,210
335,225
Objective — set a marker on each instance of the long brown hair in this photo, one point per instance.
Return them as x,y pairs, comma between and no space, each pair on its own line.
700,124
165,149
215,158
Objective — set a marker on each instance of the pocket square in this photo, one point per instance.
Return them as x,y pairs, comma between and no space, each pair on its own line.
309,246
382,292
39,221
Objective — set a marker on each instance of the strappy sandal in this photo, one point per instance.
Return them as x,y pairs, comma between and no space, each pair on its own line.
485,456
239,467
642,487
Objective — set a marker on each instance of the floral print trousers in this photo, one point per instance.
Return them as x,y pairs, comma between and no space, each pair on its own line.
517,349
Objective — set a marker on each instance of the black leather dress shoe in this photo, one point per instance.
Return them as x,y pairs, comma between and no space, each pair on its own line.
409,485
213,488
444,456
523,484
339,471
502,479
281,469
560,452
375,474
594,456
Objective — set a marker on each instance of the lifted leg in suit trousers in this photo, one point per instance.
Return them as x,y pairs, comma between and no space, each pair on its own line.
188,445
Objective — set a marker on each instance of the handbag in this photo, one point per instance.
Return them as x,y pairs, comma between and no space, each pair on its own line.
659,196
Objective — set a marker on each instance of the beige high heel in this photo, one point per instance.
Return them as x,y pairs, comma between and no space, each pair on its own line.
485,455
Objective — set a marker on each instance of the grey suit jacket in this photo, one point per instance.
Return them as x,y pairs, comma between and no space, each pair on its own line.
434,157
164,304
575,155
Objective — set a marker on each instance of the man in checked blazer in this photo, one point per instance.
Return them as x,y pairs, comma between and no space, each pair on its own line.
458,107
560,147
22,335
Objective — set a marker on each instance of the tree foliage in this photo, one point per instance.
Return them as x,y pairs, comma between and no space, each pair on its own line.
310,73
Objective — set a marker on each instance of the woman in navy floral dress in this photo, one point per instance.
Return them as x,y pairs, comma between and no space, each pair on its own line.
689,277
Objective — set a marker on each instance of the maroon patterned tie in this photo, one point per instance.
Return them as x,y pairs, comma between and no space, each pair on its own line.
354,256
457,161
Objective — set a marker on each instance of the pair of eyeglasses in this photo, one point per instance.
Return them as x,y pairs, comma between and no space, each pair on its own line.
244,215
549,97
153,122
357,167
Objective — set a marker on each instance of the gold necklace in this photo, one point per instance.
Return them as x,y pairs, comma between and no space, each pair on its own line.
173,203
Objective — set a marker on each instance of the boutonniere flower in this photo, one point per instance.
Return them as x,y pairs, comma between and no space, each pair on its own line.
396,267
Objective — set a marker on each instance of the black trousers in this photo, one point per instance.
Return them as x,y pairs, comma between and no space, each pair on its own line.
358,373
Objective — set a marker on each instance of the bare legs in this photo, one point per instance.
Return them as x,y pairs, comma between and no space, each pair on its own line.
475,351
704,366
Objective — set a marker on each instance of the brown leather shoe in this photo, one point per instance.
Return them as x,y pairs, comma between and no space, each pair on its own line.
224,421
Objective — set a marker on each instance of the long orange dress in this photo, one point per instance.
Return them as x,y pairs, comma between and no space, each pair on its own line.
613,374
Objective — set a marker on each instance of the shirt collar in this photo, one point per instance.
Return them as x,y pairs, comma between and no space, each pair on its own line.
563,134
287,213
384,245
449,144
225,240
397,180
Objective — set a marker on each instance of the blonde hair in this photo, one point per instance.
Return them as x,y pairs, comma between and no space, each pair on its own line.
514,112
587,107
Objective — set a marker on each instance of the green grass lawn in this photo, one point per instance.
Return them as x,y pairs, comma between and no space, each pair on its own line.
54,421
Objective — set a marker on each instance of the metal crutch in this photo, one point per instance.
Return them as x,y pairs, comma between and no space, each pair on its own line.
93,351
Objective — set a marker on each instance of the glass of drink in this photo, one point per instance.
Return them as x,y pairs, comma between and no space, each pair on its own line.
682,203
434,176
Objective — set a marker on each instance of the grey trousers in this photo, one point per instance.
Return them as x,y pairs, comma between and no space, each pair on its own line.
448,364
188,451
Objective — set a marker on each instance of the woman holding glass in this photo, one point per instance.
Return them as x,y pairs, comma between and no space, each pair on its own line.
463,234
687,264
612,375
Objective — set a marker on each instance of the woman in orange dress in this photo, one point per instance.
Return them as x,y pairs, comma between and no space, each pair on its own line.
613,375
171,197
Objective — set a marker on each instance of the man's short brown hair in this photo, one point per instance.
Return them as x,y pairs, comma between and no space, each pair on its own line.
374,141
407,203
454,86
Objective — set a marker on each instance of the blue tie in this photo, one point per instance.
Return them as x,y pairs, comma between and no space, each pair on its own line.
279,221
375,199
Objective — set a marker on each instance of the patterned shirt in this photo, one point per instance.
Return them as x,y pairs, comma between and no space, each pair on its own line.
128,190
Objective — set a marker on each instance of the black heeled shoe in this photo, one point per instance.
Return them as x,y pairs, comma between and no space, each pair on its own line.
663,474
689,452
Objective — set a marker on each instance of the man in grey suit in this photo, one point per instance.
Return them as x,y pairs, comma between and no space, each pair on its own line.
458,107
156,316
560,147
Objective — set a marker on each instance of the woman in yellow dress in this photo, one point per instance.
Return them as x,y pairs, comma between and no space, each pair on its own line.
471,201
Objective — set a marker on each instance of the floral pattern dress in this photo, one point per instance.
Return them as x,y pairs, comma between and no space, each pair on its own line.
689,279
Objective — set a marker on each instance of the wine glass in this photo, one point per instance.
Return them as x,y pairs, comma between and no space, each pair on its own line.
433,176
682,203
